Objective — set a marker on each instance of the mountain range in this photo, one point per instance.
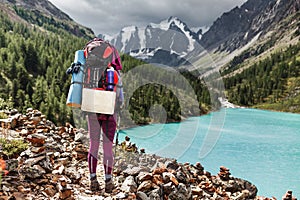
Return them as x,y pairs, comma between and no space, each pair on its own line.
165,43
171,41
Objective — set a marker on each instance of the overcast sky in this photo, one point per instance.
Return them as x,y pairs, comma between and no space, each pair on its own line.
110,16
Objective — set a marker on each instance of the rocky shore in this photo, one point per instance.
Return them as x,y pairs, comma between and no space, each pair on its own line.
54,167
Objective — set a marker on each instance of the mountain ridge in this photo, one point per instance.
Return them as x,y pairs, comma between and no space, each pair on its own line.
43,14
149,42
230,34
237,27
44,6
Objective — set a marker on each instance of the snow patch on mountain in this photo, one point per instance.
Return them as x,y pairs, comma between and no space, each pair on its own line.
163,25
187,33
127,33
142,37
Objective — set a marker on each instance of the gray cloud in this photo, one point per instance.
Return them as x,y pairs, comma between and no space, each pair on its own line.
110,16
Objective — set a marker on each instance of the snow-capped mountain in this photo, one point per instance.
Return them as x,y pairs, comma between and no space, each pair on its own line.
166,43
256,26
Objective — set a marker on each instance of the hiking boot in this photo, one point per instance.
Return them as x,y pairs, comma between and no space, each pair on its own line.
109,185
94,184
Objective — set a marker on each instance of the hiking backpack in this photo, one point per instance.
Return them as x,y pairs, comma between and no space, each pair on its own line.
99,56
89,76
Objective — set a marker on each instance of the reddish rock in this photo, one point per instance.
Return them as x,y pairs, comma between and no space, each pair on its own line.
192,180
288,196
145,186
167,177
23,190
80,152
63,182
50,190
199,166
15,195
159,170
223,169
38,149
65,193
30,128
143,176
37,140
42,181
63,161
142,150
157,179
35,120
207,174
61,130
197,191
224,173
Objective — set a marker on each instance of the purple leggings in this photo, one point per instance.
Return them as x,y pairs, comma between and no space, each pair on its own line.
108,124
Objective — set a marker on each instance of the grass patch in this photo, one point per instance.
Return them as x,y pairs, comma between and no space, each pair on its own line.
12,148
287,105
3,115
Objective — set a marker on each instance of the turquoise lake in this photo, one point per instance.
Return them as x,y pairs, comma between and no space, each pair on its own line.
260,146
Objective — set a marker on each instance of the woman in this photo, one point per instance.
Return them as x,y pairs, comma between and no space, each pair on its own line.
106,55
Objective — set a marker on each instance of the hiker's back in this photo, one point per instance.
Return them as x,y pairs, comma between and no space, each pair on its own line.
96,67
100,56
101,77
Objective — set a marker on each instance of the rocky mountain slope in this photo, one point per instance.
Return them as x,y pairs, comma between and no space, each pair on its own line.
43,6
239,26
43,14
252,31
